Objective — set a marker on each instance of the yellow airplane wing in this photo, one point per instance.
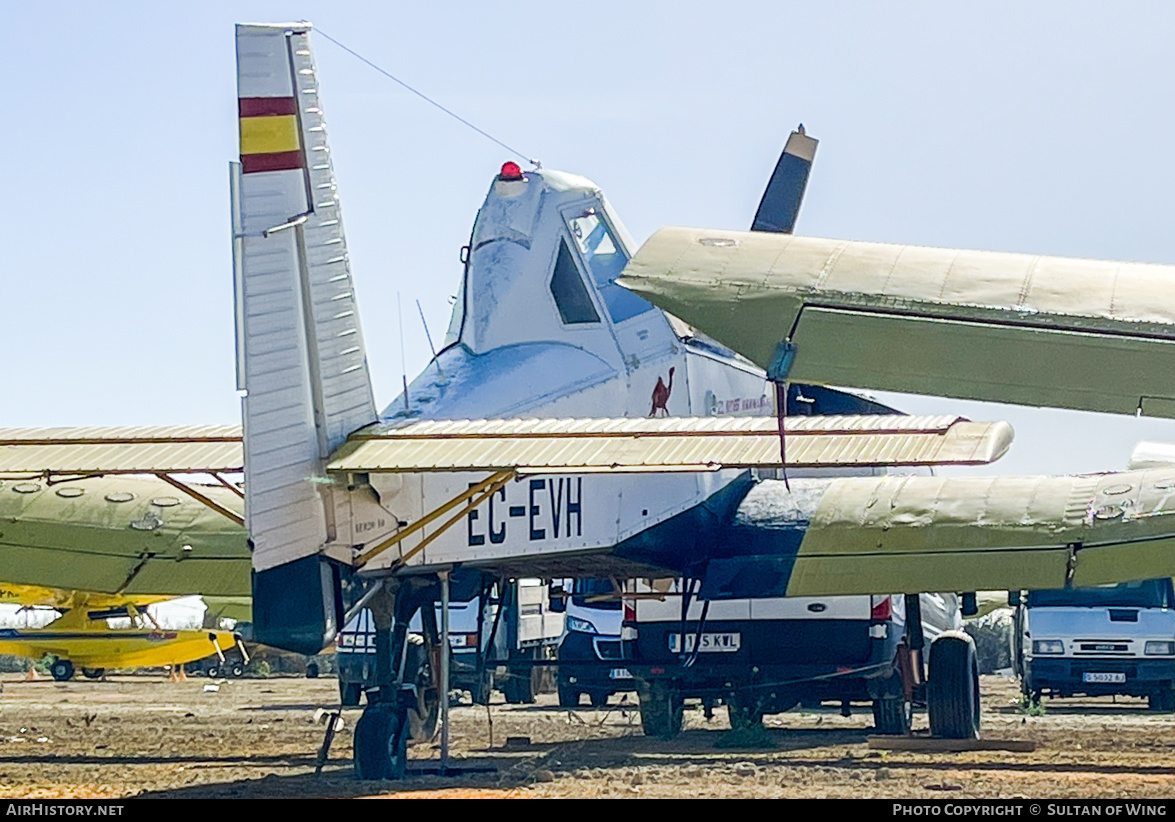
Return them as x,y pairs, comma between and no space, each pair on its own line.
1016,328
64,599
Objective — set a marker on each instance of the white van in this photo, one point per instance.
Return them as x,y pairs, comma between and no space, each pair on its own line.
590,655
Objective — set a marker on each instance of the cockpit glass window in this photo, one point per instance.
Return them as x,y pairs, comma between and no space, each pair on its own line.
571,296
605,259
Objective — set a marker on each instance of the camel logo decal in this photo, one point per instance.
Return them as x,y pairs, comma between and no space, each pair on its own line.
661,393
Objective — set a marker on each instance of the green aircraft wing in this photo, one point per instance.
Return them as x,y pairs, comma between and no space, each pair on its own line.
122,535
1015,328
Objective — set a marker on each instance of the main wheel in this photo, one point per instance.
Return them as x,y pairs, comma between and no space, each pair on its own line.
568,695
212,670
237,669
62,670
892,715
952,687
349,693
312,670
426,710
744,710
661,708
93,673
380,744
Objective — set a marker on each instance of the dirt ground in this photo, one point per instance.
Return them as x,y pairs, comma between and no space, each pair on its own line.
144,736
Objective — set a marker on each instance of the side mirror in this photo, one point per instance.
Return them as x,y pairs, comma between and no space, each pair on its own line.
1014,599
970,606
556,599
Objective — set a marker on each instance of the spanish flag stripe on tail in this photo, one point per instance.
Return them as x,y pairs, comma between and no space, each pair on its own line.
270,138
267,106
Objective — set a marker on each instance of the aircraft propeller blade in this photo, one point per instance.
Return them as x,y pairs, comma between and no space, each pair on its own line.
785,190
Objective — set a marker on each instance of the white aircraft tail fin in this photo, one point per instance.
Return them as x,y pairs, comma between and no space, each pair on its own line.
300,355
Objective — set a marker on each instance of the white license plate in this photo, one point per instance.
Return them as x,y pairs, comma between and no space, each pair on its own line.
619,673
1099,676
711,643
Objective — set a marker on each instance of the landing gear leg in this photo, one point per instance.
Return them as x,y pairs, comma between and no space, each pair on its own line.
381,735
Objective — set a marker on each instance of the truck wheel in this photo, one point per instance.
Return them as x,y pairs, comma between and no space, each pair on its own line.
952,687
661,708
380,744
744,710
62,670
1162,700
892,715
568,695
519,687
349,693
483,689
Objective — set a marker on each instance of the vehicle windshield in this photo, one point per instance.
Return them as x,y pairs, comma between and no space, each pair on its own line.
585,593
1150,593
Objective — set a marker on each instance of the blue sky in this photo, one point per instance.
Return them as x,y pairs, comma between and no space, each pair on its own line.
1038,127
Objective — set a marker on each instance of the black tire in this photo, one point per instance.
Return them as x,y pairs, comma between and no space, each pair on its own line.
380,745
237,669
661,708
93,673
744,710
483,690
425,713
892,715
1162,700
519,687
952,687
599,699
62,670
312,670
212,671
350,693
568,695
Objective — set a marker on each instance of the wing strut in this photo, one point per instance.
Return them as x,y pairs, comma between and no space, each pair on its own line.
196,495
474,496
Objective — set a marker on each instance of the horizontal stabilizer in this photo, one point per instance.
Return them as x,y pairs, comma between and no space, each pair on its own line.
670,444
1031,330
144,450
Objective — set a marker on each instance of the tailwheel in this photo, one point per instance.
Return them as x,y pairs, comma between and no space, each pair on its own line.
93,673
952,687
62,670
381,743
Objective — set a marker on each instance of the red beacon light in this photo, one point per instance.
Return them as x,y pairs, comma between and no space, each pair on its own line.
511,172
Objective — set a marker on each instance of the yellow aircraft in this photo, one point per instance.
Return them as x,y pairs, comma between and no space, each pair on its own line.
81,637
